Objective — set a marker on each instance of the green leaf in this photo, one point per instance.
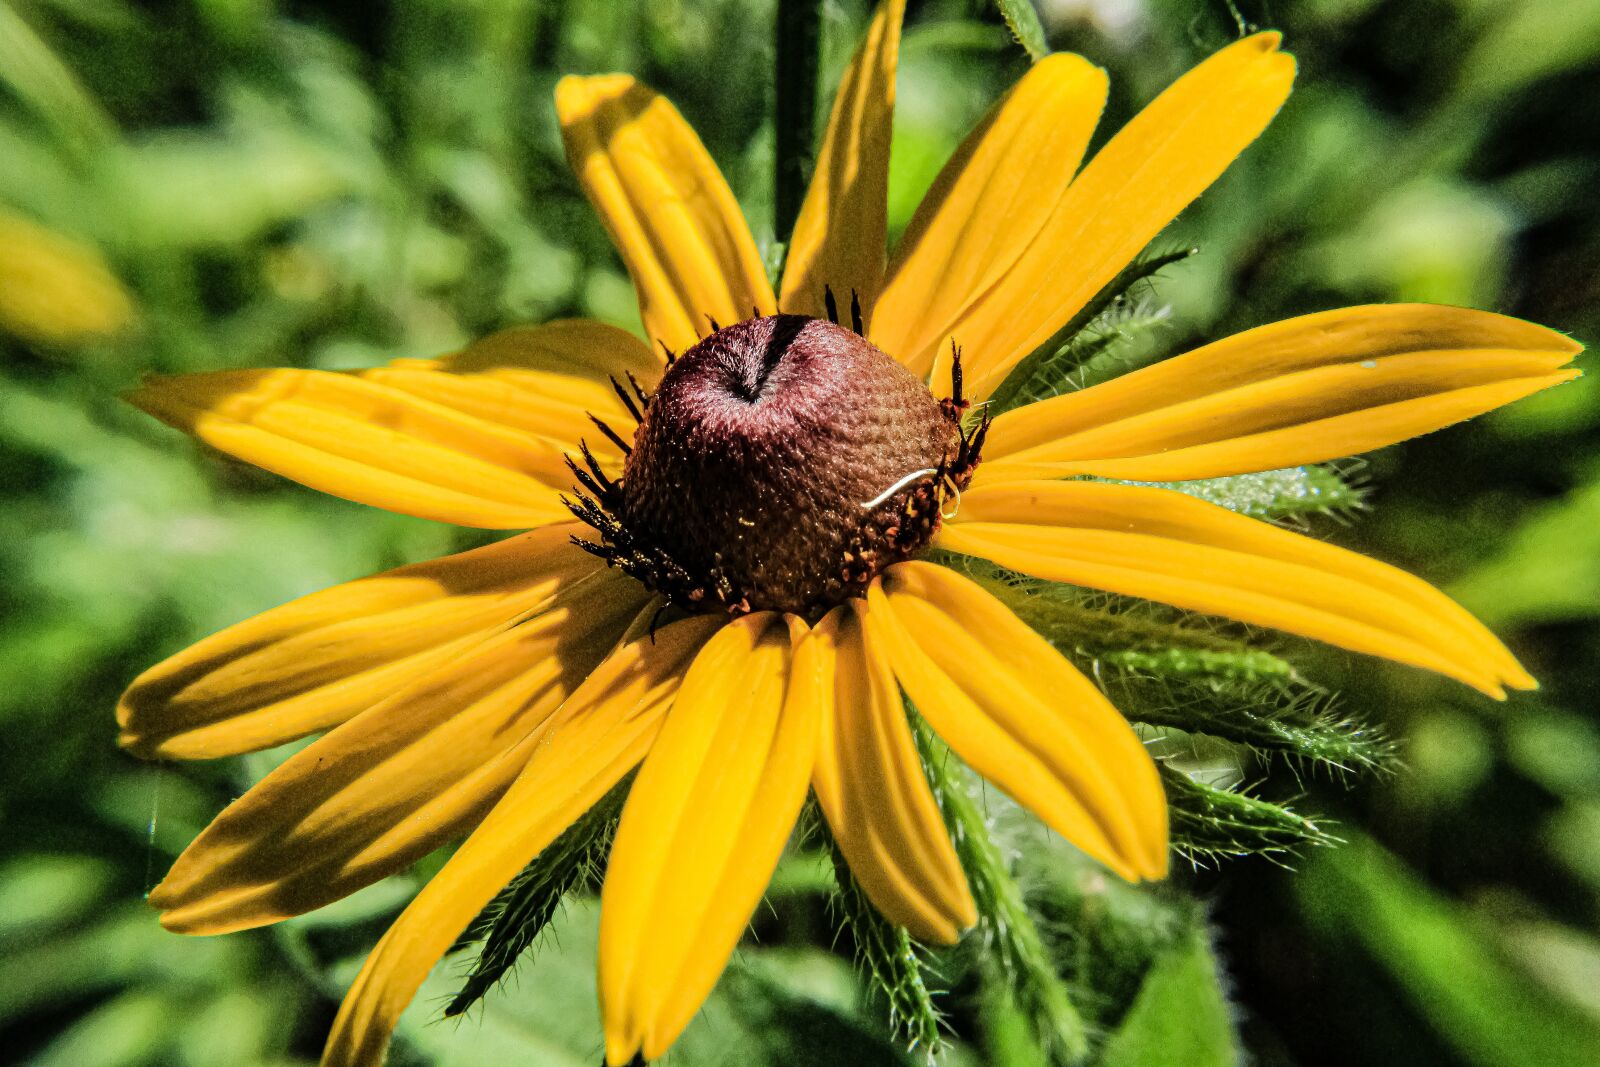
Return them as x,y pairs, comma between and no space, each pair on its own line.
1180,1016
1491,1011
1023,22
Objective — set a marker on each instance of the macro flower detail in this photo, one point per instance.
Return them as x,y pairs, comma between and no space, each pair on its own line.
726,582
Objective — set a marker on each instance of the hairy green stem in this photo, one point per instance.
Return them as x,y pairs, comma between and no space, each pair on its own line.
889,957
1012,937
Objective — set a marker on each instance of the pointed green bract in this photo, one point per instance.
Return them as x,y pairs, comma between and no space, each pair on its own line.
1297,722
1051,369
1208,823
1290,493
515,918
889,958
1023,21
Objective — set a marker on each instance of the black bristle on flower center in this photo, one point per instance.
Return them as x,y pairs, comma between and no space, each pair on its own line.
780,465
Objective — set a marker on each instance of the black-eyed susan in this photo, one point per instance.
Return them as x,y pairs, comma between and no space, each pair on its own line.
742,603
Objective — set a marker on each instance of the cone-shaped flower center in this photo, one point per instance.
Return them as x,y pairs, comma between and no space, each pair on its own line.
782,462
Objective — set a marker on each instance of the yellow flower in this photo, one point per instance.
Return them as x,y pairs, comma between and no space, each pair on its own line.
501,692
54,289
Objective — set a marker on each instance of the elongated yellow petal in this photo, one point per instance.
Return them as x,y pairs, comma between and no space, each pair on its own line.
872,790
545,381
1149,172
317,661
1021,716
841,234
399,438
987,206
667,207
600,733
704,825
1162,545
1300,391
399,779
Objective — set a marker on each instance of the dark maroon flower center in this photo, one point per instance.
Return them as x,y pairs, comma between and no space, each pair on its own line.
781,463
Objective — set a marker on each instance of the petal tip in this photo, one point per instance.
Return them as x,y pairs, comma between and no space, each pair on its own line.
579,94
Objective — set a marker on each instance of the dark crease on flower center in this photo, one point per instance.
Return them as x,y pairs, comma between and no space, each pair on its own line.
781,463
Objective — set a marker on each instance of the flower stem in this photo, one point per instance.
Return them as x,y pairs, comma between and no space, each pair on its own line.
798,35
1009,931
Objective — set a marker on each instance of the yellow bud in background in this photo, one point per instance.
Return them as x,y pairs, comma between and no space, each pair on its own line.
55,289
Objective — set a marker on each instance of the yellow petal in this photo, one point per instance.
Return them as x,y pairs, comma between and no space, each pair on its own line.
401,778
1300,391
476,438
842,230
545,381
703,828
1162,545
871,787
987,205
670,213
1149,172
55,289
1021,715
313,663
602,731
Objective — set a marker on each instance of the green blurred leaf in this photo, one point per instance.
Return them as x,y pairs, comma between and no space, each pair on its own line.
1471,995
1181,1015
1548,568
42,893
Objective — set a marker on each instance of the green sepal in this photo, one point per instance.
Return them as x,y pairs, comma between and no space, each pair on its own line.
1297,722
1289,493
1208,823
1023,22
1047,371
515,918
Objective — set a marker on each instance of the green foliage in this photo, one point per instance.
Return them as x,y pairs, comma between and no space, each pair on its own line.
1467,990
775,1007
516,917
1181,1015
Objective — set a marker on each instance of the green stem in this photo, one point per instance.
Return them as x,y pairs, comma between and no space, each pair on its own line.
798,35
1008,928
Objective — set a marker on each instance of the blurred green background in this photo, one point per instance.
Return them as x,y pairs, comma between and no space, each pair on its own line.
203,184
